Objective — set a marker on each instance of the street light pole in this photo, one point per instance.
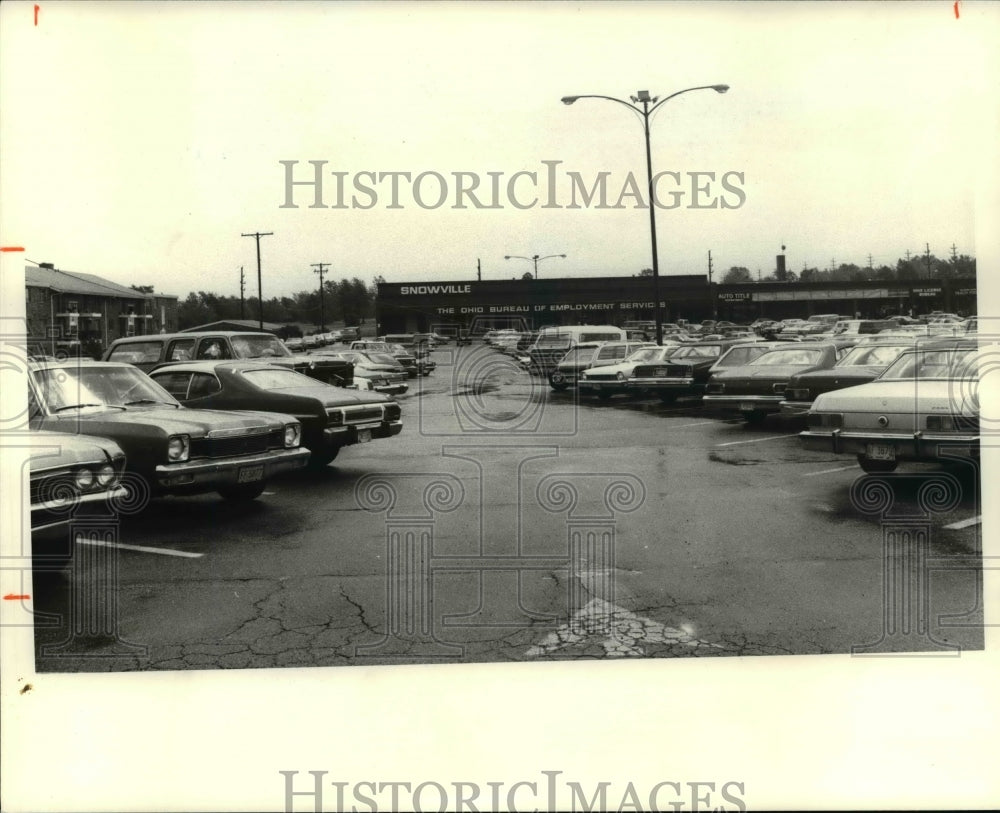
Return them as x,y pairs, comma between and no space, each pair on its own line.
534,258
645,112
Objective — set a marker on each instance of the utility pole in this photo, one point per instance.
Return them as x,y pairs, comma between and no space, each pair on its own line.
320,270
954,253
869,261
907,255
260,296
242,301
711,292
709,266
479,270
927,259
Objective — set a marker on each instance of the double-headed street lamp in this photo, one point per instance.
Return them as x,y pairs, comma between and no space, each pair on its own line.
533,259
642,97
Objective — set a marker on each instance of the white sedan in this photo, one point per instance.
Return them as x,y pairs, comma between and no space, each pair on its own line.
606,381
924,407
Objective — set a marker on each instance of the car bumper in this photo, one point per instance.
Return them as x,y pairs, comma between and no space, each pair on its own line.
664,384
335,437
795,408
57,513
585,387
391,389
744,403
914,446
209,475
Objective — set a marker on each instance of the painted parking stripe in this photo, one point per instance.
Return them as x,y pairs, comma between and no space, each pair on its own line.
828,471
965,523
100,543
757,440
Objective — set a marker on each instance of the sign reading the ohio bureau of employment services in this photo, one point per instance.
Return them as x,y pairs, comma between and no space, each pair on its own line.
550,308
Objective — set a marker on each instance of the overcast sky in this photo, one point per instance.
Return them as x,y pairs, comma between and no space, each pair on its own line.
140,141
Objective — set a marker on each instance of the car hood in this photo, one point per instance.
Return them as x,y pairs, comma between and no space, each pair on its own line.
51,449
836,377
166,421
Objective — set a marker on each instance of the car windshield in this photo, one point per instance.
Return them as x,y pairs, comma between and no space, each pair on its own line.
254,347
553,340
792,356
739,356
948,364
649,354
382,358
277,379
578,354
699,351
872,355
64,388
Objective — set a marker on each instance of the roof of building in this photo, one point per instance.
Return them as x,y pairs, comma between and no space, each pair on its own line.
76,282
236,324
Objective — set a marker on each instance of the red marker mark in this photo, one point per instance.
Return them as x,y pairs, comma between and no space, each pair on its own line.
956,9
36,15
11,248
13,597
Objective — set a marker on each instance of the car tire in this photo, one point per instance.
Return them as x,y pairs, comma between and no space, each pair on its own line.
755,417
557,387
877,466
246,491
318,460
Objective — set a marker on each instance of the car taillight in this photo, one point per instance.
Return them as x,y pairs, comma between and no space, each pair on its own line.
797,393
779,389
715,389
825,420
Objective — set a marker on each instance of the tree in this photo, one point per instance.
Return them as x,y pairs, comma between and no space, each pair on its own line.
646,272
526,275
737,274
142,289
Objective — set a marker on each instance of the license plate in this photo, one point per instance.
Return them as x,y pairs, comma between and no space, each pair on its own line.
660,371
880,451
364,435
746,406
250,474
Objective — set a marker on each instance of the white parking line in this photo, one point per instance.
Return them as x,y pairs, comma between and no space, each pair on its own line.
100,543
757,440
828,471
965,523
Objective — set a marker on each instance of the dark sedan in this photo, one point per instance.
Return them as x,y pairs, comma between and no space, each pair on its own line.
331,417
758,388
173,449
860,365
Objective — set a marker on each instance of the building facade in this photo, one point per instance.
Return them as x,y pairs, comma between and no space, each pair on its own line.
75,313
416,307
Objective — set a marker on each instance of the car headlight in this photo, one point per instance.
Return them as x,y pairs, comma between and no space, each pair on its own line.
715,388
620,376
292,435
779,389
797,393
105,475
178,448
83,479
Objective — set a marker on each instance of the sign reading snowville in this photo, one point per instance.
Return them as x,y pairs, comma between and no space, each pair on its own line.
313,791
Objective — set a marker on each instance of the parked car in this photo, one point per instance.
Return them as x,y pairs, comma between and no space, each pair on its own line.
684,372
611,379
411,365
923,407
331,417
758,388
859,365
740,353
174,449
149,352
590,355
376,367
70,475
295,343
553,343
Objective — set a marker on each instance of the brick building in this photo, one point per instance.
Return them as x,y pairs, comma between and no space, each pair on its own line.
71,312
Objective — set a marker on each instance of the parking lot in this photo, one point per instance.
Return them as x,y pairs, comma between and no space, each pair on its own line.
508,522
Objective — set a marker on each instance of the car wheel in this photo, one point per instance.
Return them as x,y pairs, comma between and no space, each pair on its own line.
557,387
247,491
323,458
877,466
754,417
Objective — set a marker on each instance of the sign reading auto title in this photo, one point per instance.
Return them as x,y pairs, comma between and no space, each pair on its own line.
423,290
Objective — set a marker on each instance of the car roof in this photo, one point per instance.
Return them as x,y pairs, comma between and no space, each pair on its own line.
210,365
194,334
